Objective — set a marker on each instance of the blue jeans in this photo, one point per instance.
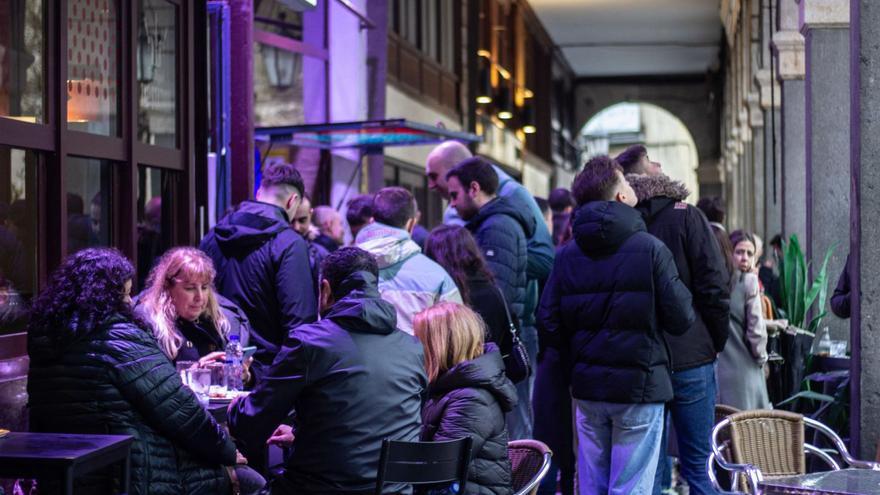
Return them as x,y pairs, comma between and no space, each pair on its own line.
618,447
520,420
693,414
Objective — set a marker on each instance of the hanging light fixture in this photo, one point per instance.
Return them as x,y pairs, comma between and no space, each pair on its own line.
505,104
527,118
484,78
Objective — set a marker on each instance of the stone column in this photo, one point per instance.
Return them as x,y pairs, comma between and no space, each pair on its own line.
756,122
865,239
825,26
770,97
788,45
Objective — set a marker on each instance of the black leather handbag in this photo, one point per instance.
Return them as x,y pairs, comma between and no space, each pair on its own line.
517,364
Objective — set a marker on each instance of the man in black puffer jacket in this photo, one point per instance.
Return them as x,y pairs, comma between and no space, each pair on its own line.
263,265
612,295
353,379
470,400
686,232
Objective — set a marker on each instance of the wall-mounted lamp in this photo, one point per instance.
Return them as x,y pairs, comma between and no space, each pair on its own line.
527,119
484,83
504,103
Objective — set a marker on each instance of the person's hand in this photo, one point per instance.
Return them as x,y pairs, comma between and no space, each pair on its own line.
246,370
217,356
282,437
240,458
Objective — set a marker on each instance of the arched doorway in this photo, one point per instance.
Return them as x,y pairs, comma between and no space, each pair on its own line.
665,136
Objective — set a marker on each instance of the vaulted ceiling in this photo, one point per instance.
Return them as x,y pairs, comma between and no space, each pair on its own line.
601,38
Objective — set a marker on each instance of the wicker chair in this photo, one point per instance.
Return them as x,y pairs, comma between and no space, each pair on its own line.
529,463
767,443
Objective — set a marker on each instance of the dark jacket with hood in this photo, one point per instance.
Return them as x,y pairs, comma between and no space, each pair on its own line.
501,230
263,267
115,380
353,379
470,400
611,296
686,232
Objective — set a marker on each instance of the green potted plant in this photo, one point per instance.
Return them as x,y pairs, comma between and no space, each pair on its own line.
798,293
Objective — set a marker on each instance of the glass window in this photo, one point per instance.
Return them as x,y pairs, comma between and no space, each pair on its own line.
92,66
18,231
157,72
88,203
278,73
22,39
155,222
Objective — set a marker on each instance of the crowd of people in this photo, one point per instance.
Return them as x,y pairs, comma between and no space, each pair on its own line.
637,312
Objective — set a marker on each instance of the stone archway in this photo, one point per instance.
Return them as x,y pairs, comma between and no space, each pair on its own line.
695,100
667,138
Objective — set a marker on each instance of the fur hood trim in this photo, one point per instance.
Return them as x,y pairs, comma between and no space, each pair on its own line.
652,186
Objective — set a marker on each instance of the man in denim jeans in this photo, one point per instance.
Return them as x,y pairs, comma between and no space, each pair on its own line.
685,231
612,294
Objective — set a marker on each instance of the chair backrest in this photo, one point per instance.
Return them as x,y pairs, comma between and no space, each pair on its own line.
722,411
529,463
772,441
420,463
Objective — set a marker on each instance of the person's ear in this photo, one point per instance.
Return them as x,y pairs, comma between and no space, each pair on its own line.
326,295
410,225
293,201
474,189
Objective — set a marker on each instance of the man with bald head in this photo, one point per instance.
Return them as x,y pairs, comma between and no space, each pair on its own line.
539,262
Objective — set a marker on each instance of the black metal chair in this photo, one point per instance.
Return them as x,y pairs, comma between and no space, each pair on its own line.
424,463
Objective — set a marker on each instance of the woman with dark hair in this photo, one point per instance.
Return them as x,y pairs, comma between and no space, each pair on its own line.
454,248
94,368
740,369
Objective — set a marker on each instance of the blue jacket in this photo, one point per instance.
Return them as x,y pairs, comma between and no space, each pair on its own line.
408,279
612,294
500,229
540,242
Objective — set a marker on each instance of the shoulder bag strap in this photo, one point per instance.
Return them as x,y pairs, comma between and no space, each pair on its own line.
511,326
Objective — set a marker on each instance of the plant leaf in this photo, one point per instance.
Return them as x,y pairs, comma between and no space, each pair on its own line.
807,394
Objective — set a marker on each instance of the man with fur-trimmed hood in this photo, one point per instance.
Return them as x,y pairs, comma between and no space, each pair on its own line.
685,231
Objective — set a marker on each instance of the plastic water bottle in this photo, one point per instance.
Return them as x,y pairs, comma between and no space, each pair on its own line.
822,345
233,364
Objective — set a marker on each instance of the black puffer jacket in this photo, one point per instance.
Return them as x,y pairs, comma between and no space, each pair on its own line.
115,380
501,230
263,267
612,294
470,400
354,379
686,232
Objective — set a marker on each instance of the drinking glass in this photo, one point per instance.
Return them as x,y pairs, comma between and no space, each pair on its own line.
218,379
199,380
182,366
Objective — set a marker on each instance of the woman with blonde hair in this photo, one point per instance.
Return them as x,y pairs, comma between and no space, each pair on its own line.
468,394
190,321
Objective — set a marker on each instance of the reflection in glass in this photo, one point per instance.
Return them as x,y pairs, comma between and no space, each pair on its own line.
92,59
155,222
88,203
278,74
18,230
157,72
21,60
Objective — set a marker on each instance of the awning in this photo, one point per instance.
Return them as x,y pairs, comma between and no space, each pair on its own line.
368,135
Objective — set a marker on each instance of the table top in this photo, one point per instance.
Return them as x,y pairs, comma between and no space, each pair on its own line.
843,482
60,447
